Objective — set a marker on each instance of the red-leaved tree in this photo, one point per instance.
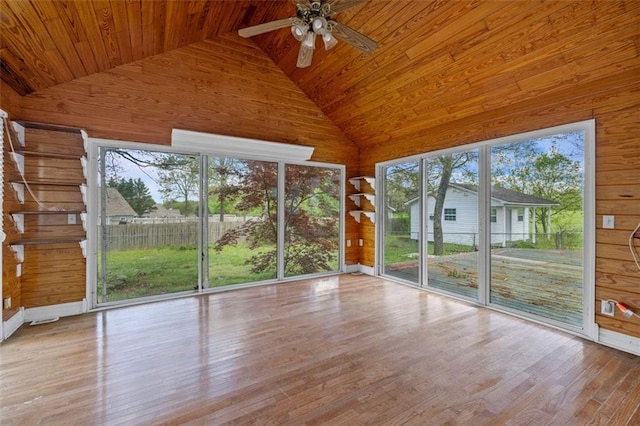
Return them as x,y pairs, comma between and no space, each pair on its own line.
311,223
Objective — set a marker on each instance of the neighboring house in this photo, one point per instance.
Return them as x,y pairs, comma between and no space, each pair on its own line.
511,212
160,211
118,209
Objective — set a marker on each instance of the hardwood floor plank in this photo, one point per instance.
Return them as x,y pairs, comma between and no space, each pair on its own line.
338,350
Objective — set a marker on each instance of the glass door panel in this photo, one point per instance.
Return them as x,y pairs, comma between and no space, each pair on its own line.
401,221
452,223
242,221
148,224
537,218
311,219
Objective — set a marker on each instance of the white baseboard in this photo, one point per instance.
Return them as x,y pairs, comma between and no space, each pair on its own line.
369,270
619,341
351,268
13,323
356,267
55,311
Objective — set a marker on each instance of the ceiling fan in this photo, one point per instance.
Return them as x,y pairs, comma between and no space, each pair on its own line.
315,18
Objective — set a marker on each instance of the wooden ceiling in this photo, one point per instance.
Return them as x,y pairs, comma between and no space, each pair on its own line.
437,61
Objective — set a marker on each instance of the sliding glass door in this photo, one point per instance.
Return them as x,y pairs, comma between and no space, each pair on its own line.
452,223
401,224
311,219
504,223
147,248
242,221
169,222
537,227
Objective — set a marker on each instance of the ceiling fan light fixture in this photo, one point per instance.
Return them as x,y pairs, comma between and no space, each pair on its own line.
299,31
329,40
319,25
310,40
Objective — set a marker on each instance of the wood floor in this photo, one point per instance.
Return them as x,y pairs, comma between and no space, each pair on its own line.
342,350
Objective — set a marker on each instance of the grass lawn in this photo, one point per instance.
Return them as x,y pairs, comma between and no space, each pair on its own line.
150,272
401,248
139,273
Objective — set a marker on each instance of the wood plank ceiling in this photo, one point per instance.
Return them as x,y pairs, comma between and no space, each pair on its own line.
437,61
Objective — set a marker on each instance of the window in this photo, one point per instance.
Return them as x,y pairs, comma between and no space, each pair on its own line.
450,215
494,215
521,215
186,222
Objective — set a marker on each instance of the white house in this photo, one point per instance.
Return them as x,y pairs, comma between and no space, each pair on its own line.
510,215
118,209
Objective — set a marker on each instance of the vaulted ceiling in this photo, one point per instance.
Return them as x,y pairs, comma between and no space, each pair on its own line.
437,61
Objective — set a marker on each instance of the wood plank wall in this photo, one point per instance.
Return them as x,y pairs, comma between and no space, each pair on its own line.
53,270
614,103
225,85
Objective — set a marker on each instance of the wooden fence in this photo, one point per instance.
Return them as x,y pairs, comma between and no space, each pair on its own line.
153,235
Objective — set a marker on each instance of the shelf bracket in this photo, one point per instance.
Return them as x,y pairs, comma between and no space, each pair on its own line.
83,191
83,218
18,220
19,160
358,213
18,188
84,164
18,250
19,131
83,247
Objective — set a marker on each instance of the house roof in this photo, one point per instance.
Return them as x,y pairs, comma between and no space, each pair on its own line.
161,211
117,205
508,196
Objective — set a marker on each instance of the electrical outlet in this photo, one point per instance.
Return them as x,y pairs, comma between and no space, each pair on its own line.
6,304
71,219
360,242
348,243
607,307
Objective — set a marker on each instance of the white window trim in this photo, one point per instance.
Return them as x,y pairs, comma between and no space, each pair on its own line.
221,145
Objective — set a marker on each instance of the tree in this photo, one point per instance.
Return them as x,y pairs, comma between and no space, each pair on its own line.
222,181
310,228
550,175
178,179
136,193
440,171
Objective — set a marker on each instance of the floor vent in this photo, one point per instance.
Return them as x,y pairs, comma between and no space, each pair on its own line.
44,321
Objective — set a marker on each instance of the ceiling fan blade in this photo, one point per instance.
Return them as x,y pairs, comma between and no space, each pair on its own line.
353,37
304,56
265,28
338,6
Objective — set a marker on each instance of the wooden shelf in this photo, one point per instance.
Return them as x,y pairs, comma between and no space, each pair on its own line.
355,181
47,182
357,214
49,154
36,241
356,198
36,212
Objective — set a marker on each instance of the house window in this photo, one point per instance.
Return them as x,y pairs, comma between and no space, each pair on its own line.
450,215
494,215
521,215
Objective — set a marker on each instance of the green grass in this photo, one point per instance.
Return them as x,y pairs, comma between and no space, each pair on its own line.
149,272
138,273
401,248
